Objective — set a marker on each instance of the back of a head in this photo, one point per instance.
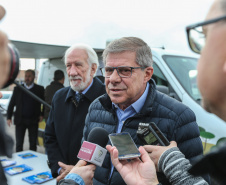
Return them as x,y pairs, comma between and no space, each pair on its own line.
98,136
58,75
132,44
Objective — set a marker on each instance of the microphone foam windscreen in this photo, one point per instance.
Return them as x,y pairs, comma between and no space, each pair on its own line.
98,136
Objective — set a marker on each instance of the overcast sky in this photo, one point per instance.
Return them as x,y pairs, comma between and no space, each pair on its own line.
158,22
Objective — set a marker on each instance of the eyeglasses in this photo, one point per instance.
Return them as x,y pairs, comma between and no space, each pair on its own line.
123,71
196,37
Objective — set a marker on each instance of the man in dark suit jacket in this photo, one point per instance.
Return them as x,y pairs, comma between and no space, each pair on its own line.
28,111
64,128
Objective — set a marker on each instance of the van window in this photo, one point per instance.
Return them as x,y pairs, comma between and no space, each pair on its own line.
160,79
158,76
185,70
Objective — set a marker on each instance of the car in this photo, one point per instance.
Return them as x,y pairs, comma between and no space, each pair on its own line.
4,101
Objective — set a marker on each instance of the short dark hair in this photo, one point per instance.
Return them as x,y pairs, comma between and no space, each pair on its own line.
30,71
58,75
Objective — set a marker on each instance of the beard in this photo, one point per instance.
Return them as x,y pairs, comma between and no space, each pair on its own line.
76,86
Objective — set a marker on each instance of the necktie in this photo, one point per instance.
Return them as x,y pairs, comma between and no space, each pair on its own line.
78,96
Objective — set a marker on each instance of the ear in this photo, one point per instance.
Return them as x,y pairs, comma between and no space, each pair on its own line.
148,74
93,69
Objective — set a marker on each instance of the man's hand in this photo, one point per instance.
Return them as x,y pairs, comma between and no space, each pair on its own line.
9,122
65,169
136,171
86,172
156,151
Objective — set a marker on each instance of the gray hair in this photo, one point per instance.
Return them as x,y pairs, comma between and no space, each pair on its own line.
92,56
133,44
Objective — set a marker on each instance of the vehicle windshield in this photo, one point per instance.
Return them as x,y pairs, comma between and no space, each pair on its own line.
185,70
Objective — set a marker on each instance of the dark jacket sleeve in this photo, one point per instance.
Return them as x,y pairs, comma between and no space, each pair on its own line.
51,144
187,135
12,103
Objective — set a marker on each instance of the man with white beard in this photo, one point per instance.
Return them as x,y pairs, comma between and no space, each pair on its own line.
64,128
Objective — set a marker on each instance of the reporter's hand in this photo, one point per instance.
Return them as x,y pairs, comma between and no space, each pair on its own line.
136,171
65,169
86,172
155,152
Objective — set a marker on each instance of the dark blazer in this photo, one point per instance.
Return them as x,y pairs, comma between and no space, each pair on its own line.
17,101
64,128
49,93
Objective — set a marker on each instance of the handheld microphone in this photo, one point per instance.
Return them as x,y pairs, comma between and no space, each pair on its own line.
93,150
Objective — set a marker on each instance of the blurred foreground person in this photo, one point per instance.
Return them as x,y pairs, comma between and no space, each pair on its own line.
6,142
210,41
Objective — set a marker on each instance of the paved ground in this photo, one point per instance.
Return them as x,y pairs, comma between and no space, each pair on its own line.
11,131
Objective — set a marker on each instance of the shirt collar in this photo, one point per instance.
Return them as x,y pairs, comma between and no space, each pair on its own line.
137,105
71,92
29,87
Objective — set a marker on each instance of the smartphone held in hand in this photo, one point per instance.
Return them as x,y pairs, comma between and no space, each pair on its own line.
125,145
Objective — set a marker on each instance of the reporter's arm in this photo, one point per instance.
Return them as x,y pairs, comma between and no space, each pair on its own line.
173,164
80,174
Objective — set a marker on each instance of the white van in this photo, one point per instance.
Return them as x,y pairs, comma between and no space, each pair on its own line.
46,72
175,74
178,72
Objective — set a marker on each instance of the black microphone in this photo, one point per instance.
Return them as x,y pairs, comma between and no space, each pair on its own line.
93,150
